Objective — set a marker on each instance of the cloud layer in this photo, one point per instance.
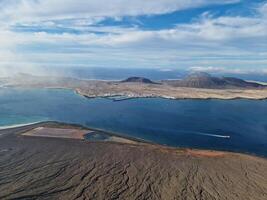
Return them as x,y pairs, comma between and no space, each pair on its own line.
32,10
74,33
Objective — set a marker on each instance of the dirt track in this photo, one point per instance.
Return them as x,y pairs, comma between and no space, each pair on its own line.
50,168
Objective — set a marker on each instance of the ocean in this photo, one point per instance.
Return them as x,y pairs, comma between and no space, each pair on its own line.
232,125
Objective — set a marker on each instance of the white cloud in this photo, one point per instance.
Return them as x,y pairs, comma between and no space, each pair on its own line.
206,69
36,10
263,9
224,70
207,41
206,32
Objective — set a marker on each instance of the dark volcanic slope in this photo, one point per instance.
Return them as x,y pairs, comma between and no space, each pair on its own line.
204,80
43,168
138,80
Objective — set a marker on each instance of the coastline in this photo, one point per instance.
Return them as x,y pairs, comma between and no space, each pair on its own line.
59,168
105,89
21,128
121,134
41,123
7,127
129,97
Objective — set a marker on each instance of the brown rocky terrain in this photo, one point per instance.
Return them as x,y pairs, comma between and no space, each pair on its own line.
56,168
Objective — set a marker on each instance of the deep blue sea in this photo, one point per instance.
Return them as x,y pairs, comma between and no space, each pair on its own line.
234,125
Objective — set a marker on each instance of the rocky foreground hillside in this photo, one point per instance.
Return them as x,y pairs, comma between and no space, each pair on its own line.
42,168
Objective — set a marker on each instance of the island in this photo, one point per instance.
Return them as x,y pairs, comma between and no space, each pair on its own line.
195,86
52,160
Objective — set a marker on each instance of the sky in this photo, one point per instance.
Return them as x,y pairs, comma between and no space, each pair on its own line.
199,35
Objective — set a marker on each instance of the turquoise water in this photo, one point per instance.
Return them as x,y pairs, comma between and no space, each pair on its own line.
235,125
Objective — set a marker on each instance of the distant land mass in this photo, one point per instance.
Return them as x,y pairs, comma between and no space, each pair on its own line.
205,80
194,86
135,79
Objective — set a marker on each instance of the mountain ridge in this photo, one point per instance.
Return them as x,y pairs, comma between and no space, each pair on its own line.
137,79
205,80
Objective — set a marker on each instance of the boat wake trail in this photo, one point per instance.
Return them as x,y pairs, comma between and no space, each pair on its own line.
210,135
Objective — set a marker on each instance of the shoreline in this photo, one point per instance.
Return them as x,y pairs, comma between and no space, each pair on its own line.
31,126
110,133
129,97
137,96
62,168
7,127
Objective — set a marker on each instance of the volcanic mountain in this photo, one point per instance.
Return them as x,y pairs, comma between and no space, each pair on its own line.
205,80
138,80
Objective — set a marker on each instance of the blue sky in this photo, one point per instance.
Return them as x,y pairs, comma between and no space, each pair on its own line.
199,35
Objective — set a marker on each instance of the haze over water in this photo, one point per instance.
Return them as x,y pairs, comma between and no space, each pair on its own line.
235,125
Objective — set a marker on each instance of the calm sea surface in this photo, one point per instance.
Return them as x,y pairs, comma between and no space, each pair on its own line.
235,125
